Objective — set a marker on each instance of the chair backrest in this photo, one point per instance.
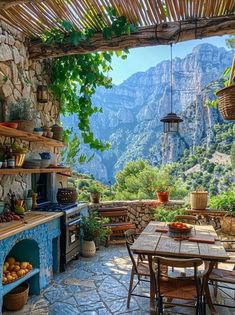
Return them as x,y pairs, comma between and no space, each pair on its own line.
177,263
130,238
187,218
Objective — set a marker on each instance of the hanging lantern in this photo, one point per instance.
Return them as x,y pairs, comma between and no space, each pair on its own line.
171,121
42,94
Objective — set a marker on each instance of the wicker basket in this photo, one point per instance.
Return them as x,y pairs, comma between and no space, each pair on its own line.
227,97
25,125
199,200
17,298
228,224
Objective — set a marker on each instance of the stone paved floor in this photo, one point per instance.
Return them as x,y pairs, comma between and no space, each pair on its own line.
94,286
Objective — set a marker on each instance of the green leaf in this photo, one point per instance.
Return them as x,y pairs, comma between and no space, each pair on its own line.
75,38
67,26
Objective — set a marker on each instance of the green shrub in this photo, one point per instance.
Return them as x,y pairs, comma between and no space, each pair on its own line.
164,215
224,201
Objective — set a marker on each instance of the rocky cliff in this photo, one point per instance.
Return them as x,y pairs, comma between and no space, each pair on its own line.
132,111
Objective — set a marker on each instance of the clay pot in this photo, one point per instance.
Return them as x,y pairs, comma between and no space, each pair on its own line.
95,197
88,248
163,196
57,132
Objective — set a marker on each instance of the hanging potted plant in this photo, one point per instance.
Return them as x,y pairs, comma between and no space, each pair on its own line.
93,227
95,193
226,95
199,199
21,113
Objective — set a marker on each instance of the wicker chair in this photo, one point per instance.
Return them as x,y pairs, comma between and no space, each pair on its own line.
140,266
184,287
222,278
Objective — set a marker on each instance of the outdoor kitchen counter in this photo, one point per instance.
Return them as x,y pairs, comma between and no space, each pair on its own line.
30,220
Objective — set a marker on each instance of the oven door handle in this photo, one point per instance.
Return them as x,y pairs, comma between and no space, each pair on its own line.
74,222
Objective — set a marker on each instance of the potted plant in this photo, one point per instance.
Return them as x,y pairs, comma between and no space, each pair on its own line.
93,227
226,95
21,113
95,193
19,151
225,202
162,187
199,199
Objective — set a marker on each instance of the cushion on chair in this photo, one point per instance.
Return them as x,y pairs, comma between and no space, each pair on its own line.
179,289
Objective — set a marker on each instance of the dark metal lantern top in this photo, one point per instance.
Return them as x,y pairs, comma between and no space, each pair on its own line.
171,118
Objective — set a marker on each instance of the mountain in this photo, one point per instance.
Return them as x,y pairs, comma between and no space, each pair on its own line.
132,111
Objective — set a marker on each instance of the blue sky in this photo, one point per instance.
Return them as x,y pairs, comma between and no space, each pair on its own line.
141,59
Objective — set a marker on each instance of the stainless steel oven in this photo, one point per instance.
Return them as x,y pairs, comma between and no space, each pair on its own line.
72,239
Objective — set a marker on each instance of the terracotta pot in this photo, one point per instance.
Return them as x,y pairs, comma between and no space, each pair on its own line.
163,196
95,197
88,248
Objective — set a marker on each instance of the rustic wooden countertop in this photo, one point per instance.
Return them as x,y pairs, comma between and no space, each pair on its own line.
30,220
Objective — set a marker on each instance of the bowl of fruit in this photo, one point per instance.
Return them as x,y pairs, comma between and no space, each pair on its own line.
13,270
179,230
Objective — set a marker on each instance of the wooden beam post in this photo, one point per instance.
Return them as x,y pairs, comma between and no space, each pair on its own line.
6,4
162,34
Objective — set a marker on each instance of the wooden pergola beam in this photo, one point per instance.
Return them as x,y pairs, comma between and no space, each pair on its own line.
6,4
162,34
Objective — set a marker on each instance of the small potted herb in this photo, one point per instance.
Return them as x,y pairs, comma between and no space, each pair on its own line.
95,193
21,113
93,227
162,186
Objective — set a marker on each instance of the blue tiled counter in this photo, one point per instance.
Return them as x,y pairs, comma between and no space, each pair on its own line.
37,245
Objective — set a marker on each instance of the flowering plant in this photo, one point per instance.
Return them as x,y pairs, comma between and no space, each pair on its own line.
163,188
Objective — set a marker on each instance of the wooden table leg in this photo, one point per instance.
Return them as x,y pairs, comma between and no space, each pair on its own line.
152,305
207,290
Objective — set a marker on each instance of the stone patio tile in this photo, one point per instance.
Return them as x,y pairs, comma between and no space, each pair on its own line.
87,298
119,306
62,308
56,294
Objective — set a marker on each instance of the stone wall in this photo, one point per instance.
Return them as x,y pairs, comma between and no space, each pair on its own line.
140,212
20,77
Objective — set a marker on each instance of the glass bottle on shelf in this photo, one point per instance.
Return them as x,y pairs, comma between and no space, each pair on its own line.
4,163
10,160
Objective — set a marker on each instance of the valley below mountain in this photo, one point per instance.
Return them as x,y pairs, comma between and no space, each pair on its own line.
132,111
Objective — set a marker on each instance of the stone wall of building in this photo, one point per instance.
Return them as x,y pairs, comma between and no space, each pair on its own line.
20,77
140,212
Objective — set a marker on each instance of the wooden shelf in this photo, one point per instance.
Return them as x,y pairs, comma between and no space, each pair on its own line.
16,171
8,287
30,137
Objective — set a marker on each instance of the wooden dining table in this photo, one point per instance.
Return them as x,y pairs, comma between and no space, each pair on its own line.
155,241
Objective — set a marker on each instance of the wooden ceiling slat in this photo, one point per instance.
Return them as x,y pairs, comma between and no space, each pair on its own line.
170,10
156,11
163,16
33,16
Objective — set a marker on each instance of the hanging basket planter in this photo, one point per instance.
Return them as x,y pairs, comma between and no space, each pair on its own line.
227,97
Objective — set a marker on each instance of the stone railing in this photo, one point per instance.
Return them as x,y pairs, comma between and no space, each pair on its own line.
140,212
